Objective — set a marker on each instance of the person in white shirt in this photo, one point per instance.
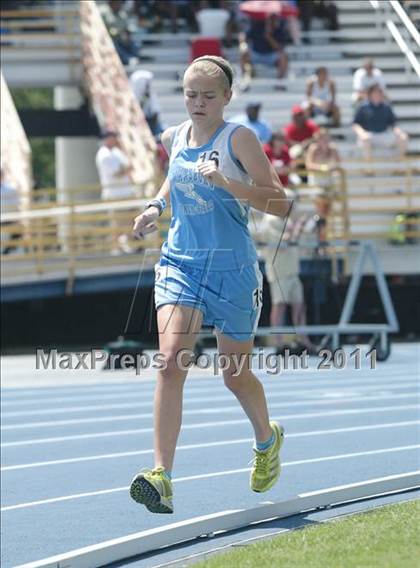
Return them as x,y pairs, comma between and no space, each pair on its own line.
321,96
212,21
141,82
366,77
282,267
114,174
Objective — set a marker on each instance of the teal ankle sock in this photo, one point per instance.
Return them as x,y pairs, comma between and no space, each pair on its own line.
168,475
261,446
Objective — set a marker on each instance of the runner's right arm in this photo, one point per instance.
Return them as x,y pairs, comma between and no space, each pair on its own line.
145,222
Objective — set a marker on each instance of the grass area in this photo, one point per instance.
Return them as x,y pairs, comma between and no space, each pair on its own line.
41,97
43,149
388,537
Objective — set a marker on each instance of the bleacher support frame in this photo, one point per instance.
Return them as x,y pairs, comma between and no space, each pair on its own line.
379,332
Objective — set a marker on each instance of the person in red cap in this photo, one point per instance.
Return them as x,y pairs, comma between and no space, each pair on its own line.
277,151
300,132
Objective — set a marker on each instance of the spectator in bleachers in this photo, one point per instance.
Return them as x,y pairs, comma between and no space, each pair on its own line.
114,173
322,158
141,82
277,152
237,21
264,43
321,96
282,267
251,119
375,125
212,20
117,21
365,77
115,16
146,13
180,9
300,132
293,22
412,7
322,9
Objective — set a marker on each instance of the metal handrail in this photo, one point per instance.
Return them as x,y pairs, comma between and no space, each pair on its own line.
404,47
396,34
411,28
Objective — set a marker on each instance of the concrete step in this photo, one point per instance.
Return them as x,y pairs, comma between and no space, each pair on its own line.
27,40
346,6
282,113
361,184
47,73
359,47
182,47
285,98
393,203
351,34
349,148
412,127
266,85
364,18
301,69
382,167
180,53
40,56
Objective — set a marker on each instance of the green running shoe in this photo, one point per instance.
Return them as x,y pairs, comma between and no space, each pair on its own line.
266,463
153,489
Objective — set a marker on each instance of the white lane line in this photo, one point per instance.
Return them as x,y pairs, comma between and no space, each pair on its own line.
213,424
211,444
210,475
98,386
201,411
338,392
268,380
291,379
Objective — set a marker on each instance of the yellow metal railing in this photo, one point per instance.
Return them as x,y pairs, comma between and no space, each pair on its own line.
65,240
74,238
333,191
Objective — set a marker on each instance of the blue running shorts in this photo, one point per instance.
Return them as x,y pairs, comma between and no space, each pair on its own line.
231,300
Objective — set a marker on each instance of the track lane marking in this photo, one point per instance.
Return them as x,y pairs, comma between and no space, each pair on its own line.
210,475
201,411
213,424
337,393
210,444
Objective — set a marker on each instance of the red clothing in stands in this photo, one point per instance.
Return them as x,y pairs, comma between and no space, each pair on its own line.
294,134
283,156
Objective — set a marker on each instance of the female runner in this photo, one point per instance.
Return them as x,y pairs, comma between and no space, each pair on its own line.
208,270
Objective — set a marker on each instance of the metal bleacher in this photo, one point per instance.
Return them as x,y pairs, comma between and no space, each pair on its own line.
372,200
54,56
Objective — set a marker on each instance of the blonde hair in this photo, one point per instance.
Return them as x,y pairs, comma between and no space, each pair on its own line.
213,66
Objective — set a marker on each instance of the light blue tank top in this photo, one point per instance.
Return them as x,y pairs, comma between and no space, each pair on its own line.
209,226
